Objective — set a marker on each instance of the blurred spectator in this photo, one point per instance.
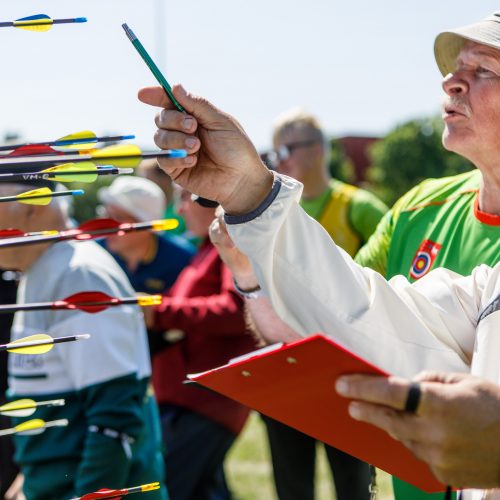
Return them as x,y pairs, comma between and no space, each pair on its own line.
202,315
112,439
151,261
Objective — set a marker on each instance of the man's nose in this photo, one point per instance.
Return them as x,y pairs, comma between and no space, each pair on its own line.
454,83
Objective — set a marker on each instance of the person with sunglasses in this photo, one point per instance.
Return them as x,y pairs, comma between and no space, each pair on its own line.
302,151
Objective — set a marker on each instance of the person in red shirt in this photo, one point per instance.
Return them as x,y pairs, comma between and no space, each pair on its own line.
202,318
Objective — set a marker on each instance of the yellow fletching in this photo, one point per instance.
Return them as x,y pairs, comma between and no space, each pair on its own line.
101,156
149,300
150,487
78,136
19,408
30,425
164,224
35,192
73,167
46,344
34,25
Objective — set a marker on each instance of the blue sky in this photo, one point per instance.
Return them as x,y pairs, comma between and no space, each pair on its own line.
361,67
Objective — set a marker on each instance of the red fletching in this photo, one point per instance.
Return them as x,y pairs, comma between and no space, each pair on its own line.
104,493
34,150
99,224
81,301
10,233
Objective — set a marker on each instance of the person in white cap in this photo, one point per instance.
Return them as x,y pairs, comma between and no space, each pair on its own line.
152,262
442,323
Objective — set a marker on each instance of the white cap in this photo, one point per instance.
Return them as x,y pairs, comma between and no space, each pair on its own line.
138,196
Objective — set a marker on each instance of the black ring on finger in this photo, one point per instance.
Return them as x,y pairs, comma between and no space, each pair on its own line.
413,398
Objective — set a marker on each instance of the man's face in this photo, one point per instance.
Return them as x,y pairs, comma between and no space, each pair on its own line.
303,154
471,110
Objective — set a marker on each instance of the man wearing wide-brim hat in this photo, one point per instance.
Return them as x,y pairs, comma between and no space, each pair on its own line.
452,222
317,289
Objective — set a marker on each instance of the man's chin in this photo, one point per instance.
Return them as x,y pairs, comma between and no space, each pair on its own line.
453,141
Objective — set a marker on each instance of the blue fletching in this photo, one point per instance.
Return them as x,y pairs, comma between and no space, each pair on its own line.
34,18
80,19
78,192
178,153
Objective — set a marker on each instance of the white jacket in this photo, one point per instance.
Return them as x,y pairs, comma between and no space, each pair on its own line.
442,322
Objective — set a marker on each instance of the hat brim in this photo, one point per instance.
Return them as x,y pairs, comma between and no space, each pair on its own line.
449,43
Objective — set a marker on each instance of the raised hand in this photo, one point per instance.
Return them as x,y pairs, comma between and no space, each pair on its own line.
222,165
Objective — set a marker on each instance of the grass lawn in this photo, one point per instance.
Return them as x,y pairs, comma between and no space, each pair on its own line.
249,472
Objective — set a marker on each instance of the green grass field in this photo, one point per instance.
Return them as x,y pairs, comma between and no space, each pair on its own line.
249,472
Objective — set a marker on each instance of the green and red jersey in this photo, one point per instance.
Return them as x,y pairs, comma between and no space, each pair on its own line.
436,224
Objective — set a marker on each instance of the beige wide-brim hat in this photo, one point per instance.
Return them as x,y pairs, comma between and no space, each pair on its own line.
139,197
448,43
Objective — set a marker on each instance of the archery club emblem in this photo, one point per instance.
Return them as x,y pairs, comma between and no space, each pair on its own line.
424,258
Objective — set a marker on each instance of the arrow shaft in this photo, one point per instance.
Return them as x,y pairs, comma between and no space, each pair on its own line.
40,306
36,343
107,171
55,194
10,308
43,22
109,138
67,21
69,142
31,161
52,402
71,235
6,432
38,176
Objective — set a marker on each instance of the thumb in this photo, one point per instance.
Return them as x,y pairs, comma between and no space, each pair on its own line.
154,96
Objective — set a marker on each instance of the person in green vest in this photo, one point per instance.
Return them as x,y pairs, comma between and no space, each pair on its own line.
452,222
301,150
350,215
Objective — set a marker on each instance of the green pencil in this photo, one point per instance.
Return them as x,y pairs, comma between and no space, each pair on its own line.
152,66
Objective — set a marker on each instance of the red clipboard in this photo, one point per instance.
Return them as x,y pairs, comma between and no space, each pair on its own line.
295,384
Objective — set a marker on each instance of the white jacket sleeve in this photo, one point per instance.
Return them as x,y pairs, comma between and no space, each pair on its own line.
316,287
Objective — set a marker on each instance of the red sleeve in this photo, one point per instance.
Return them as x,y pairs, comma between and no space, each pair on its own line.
216,314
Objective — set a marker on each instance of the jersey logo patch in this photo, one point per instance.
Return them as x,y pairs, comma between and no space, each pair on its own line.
424,258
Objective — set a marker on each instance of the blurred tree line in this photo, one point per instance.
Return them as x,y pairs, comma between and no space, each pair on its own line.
408,154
